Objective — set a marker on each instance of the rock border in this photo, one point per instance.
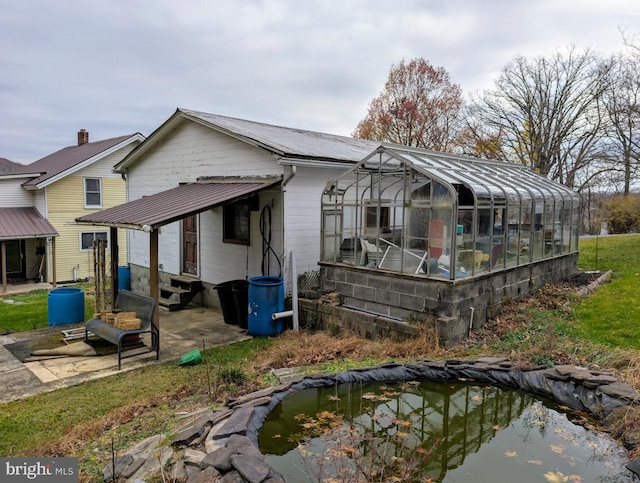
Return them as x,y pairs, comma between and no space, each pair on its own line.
223,444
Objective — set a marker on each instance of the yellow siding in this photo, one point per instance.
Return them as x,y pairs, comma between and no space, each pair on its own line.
65,203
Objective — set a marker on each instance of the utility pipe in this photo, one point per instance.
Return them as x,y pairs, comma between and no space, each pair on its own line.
294,297
281,315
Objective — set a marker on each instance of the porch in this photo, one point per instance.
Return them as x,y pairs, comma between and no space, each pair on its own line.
180,332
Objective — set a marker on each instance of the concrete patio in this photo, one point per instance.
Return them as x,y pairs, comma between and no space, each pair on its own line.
180,332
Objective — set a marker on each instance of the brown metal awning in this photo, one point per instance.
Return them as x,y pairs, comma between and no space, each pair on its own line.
150,212
20,223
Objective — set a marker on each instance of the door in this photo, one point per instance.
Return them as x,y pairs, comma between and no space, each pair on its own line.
16,266
190,244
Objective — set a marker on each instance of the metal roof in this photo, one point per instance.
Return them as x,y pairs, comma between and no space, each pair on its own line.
8,166
56,163
286,142
150,212
19,223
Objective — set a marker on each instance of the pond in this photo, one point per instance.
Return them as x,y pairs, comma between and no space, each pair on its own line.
436,431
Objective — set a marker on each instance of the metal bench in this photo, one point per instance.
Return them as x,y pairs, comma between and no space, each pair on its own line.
144,307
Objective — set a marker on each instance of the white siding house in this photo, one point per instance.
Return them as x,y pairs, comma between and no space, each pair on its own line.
195,147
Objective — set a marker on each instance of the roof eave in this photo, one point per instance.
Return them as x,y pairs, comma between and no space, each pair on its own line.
175,118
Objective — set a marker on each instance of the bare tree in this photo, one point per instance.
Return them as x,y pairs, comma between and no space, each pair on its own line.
622,103
419,106
547,113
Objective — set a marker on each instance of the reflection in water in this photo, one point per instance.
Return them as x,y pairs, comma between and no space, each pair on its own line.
446,431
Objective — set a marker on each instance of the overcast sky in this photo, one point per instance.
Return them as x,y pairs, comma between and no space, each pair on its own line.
116,67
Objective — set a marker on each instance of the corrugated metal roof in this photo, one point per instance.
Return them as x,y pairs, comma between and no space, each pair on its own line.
18,223
168,206
290,142
66,158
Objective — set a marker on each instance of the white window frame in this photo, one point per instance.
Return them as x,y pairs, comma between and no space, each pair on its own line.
94,237
85,191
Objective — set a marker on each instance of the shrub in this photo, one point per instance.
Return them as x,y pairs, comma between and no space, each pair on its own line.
623,214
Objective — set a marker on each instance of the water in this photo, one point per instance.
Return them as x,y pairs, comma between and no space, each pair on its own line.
434,431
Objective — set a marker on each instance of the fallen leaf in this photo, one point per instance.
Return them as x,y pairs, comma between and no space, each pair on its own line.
557,448
535,462
510,454
555,477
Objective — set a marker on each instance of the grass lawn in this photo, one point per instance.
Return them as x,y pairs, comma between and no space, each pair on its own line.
555,327
29,311
611,315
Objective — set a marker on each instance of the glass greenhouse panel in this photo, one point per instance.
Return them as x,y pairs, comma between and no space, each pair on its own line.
427,214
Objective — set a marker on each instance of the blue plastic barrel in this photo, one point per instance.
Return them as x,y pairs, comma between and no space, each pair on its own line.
124,280
266,297
65,306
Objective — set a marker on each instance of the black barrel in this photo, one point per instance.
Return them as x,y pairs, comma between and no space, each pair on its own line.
227,301
241,298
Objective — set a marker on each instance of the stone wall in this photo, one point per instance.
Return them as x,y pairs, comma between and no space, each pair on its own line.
456,305
334,319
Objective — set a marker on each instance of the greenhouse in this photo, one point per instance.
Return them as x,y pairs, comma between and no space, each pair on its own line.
410,234
445,216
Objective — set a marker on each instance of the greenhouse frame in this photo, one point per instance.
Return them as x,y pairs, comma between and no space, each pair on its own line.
425,216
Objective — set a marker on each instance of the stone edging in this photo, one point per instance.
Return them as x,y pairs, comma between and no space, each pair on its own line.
224,443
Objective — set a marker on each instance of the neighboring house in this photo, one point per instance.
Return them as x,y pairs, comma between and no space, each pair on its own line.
39,202
231,198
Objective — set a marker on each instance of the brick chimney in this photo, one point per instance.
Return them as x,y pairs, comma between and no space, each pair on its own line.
83,137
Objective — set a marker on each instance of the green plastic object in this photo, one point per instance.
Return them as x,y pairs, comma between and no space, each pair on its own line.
191,358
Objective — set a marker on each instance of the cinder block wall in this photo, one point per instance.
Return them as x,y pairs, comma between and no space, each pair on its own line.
456,305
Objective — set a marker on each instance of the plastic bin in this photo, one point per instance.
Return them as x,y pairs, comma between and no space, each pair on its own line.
227,302
241,299
266,297
124,278
65,306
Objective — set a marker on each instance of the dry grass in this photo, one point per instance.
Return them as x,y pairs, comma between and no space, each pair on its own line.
304,349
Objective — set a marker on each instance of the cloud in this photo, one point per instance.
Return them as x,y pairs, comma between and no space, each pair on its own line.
121,66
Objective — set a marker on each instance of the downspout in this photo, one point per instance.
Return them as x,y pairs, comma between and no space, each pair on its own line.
283,187
285,181
294,297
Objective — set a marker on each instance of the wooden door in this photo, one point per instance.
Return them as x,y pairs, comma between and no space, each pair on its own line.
190,244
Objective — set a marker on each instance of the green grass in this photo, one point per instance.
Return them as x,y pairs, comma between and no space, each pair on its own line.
29,311
27,426
611,315
607,319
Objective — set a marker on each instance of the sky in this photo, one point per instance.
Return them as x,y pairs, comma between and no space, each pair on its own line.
116,67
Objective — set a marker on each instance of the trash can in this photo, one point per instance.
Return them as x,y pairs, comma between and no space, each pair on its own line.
266,297
241,299
65,306
124,278
227,302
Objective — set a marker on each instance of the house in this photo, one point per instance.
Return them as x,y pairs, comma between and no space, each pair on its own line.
216,199
39,202
225,199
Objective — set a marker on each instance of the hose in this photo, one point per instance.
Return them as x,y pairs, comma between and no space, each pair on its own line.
265,232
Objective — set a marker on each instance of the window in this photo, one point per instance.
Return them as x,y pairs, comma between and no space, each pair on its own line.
92,193
236,222
88,237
